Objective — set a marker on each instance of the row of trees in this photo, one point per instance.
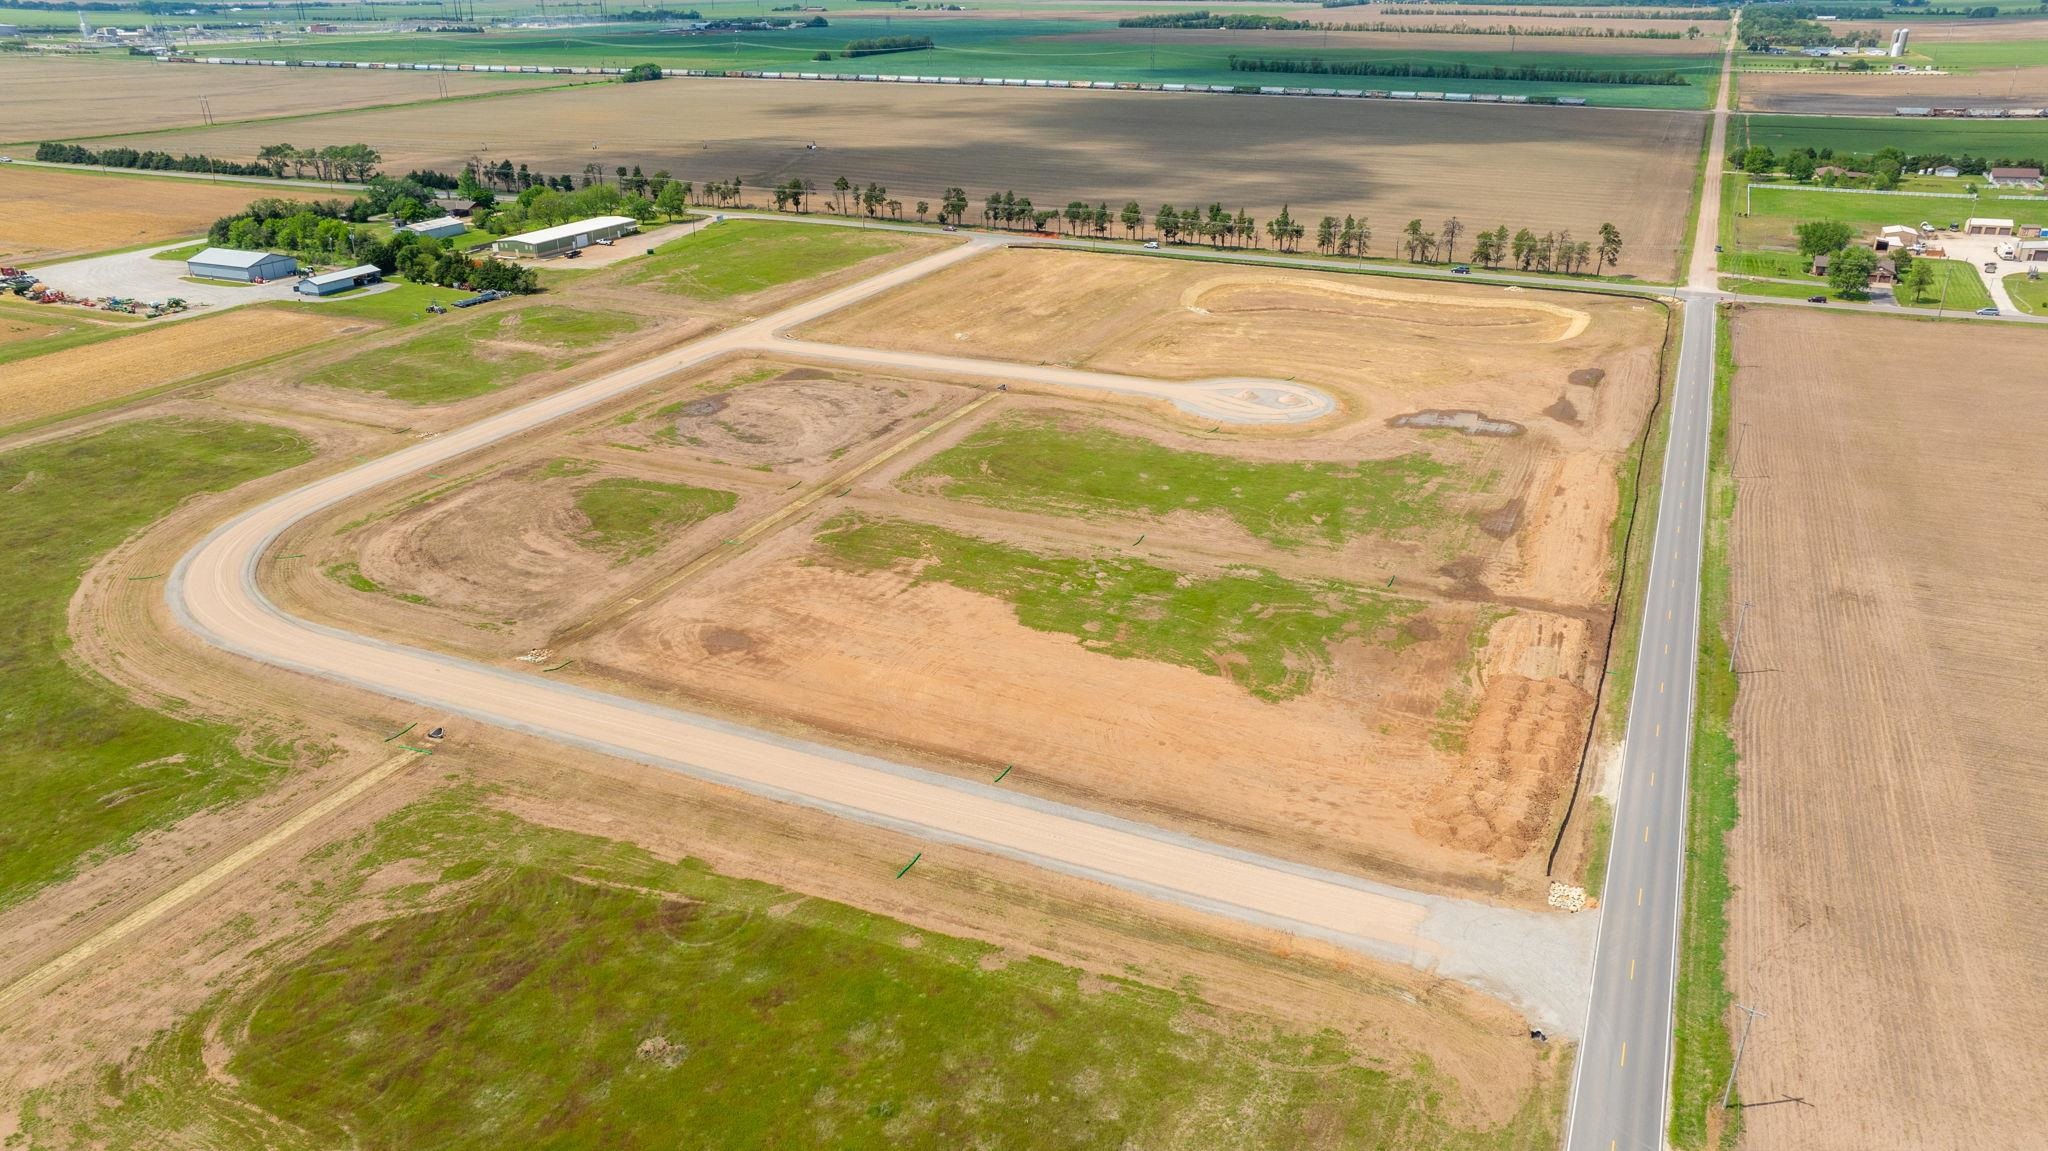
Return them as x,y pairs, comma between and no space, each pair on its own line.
332,162
1882,169
151,161
1679,11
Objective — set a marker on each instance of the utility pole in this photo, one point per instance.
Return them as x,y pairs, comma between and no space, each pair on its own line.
1752,1014
1735,648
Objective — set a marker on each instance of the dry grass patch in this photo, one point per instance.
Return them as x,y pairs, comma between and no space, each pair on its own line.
47,214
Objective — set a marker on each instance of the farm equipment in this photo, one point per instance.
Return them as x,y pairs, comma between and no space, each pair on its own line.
436,309
483,297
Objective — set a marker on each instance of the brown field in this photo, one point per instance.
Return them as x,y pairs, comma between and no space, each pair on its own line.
1440,760
1877,94
1950,31
47,214
1889,865
75,97
1261,41
1573,167
165,354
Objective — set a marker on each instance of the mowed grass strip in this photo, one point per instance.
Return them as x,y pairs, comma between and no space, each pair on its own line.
740,257
473,356
631,517
1038,464
1268,634
82,769
1956,287
536,987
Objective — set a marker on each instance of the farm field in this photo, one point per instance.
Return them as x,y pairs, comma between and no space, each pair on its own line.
74,377
1890,786
79,97
1877,93
1406,618
1996,139
1576,167
47,214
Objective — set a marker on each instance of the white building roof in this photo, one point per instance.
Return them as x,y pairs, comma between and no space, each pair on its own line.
233,258
1987,222
567,231
425,226
344,274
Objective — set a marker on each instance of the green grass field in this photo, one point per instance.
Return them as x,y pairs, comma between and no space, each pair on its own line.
1863,135
539,988
182,252
2030,295
631,517
739,257
1981,55
1957,288
1034,464
1270,635
1773,288
83,770
1019,46
458,359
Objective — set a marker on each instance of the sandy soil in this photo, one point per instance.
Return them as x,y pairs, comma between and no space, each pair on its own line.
1878,93
56,98
161,355
1888,866
47,214
1574,167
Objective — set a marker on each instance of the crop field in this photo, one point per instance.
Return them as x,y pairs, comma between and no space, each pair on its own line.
1576,168
528,978
79,97
1402,620
1989,138
746,256
133,362
1888,866
1877,93
47,214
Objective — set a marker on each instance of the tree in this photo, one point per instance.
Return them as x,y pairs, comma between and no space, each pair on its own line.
638,207
672,200
1075,213
1133,219
1482,249
923,209
1849,272
406,210
621,171
1452,229
1903,262
840,187
1326,235
1758,160
1818,237
953,202
1412,240
1523,248
1099,220
1884,174
1800,166
1167,222
1610,246
1918,279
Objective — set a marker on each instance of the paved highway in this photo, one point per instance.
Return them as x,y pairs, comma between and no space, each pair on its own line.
1535,960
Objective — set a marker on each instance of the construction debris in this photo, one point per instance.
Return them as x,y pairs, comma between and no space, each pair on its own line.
1565,897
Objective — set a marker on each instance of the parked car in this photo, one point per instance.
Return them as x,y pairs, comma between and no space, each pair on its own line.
949,228
1816,299
1987,311
573,254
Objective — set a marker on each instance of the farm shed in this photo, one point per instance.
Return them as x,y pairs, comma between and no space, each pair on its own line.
567,237
2015,177
328,283
445,227
234,264
2033,251
1987,226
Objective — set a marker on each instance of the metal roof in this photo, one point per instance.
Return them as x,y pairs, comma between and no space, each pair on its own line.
344,274
430,225
233,257
567,231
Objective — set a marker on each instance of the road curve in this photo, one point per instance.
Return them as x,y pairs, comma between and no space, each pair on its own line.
1531,959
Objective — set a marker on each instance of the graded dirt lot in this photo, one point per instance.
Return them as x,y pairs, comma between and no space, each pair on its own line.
164,354
1877,94
1572,167
1888,866
47,214
70,97
1431,738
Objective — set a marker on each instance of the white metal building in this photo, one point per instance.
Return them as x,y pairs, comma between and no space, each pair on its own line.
328,283
234,264
445,227
566,237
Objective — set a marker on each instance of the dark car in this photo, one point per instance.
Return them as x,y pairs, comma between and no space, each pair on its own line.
1462,270
1816,299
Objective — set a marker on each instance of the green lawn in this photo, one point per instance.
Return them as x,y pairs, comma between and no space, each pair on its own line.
1958,287
1270,635
1779,265
631,517
1773,288
460,358
2030,295
184,252
533,987
1035,464
1794,205
83,770
743,256
1863,135
400,302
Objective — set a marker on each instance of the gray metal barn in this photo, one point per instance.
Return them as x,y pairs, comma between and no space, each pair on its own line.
567,237
233,264
329,283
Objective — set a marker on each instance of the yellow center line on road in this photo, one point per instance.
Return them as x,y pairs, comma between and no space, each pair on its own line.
1659,731
1624,1054
1660,687
1631,969
1653,779
1646,833
1667,613
1639,903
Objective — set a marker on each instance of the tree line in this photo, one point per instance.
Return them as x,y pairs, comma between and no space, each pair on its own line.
882,45
1316,66
334,162
1202,18
1671,13
1882,169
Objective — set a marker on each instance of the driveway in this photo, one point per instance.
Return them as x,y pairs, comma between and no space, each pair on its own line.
137,276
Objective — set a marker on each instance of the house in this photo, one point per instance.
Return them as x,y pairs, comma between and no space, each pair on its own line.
1948,171
329,283
447,228
457,206
1887,269
1986,226
2015,177
1897,236
232,264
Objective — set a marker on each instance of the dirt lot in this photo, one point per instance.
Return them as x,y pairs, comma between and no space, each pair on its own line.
64,97
1888,867
1437,760
1877,94
1574,167
164,354
47,214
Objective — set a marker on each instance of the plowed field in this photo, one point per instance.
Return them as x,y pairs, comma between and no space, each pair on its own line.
47,213
1889,865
